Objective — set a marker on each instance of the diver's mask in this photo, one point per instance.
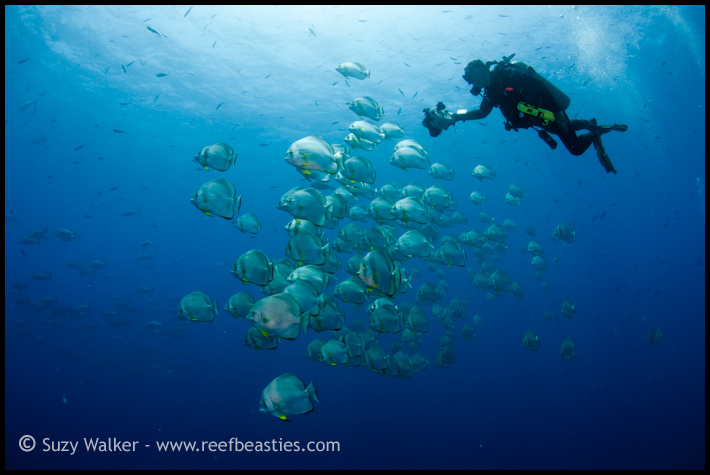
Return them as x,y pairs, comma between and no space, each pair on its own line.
474,77
473,74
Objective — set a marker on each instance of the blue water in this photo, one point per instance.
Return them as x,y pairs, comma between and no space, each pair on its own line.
638,262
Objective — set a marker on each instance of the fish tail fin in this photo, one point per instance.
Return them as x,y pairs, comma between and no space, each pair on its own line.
381,110
238,203
312,393
367,73
304,320
339,160
271,269
215,307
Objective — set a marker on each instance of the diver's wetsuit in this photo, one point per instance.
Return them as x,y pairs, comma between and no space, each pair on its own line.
511,85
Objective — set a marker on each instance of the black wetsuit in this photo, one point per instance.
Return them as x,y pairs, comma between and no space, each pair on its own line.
510,85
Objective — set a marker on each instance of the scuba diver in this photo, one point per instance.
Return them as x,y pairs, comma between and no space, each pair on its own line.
527,100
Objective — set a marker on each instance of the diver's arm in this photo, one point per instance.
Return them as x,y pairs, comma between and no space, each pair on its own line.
483,110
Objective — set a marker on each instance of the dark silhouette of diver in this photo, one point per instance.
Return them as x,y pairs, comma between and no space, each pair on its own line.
527,100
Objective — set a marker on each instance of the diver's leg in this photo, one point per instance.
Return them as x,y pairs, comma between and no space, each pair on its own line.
577,124
576,145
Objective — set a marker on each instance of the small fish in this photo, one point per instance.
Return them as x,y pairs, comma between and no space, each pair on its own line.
78,148
504,16
187,12
123,67
161,75
399,111
156,98
312,32
268,76
23,254
264,144
362,21
118,131
27,59
112,189
336,122
130,63
147,20
76,163
220,105
415,94
446,11
144,188
346,83
218,14
107,69
124,103
29,104
400,91
215,42
316,103
152,30
406,65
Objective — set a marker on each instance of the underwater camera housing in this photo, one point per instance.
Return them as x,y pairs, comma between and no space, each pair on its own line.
434,116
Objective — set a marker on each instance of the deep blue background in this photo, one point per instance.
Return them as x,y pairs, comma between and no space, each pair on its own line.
638,262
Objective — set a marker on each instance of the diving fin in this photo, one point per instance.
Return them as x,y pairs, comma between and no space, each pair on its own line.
603,157
603,129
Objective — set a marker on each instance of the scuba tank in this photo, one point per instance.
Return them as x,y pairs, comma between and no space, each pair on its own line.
561,100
